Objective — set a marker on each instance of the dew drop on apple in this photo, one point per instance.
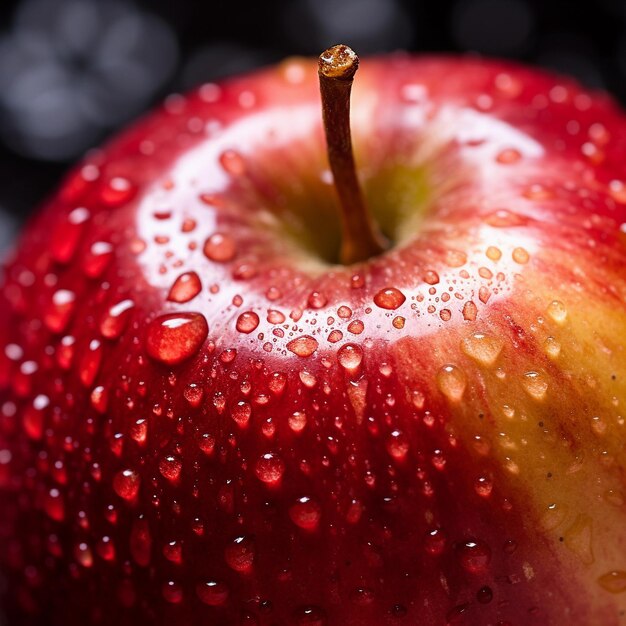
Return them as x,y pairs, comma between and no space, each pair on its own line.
241,413
240,554
170,467
212,593
483,348
470,311
552,347
520,255
474,556
220,247
557,312
307,378
90,363
356,327
305,513
54,506
60,310
83,554
397,445
126,484
297,421
233,162
613,581
117,191
175,337
317,300
97,258
483,486
172,592
270,468
106,548
115,319
503,218
193,394
173,552
350,356
535,385
247,322
185,288
435,542
452,381
139,431
34,416
389,298
303,346
66,236
309,616
508,156
275,317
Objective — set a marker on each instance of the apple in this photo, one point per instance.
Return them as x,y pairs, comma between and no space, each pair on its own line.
240,389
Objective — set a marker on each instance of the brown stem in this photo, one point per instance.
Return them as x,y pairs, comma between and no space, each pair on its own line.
362,238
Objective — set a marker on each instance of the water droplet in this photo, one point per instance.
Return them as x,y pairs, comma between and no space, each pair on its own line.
470,311
303,346
126,484
67,234
170,467
520,255
96,260
212,593
247,322
233,162
270,468
83,554
503,218
240,554
350,356
220,248
557,312
614,581
275,317
431,277
310,616
552,347
306,513
483,486
389,298
176,337
54,506
59,312
474,556
508,156
397,445
356,327
115,319
242,413
482,348
317,300
435,542
117,191
297,421
90,363
535,385
185,288
172,592
451,381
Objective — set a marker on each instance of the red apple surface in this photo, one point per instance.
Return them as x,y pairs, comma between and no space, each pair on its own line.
205,419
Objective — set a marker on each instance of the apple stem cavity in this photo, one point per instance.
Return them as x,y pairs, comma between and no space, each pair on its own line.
361,237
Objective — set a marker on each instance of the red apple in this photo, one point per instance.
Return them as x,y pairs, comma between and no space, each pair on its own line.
207,420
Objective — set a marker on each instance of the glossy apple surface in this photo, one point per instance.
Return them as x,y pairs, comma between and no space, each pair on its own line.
206,420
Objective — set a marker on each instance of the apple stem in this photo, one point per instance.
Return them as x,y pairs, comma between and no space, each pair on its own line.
361,237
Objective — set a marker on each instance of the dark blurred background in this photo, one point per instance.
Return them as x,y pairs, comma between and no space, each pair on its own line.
73,71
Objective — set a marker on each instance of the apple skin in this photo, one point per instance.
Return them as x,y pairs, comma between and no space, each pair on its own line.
434,436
